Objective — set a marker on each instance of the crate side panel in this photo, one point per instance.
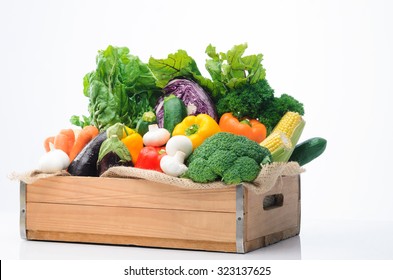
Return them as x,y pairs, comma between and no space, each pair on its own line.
129,193
261,222
125,221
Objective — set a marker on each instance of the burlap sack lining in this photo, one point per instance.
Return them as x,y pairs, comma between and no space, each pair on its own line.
263,183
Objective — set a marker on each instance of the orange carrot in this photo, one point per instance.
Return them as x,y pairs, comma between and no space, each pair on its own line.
48,140
65,140
84,137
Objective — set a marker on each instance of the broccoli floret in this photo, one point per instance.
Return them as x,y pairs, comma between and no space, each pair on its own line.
244,169
221,160
231,157
211,144
199,171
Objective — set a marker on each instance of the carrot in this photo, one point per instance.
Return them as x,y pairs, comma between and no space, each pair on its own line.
65,140
84,137
47,142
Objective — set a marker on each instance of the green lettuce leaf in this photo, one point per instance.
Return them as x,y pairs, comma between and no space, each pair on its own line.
120,90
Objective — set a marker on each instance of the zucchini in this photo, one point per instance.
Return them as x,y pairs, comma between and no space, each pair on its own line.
174,112
308,150
147,119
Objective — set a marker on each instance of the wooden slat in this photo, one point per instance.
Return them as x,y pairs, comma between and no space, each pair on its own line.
132,240
129,193
125,221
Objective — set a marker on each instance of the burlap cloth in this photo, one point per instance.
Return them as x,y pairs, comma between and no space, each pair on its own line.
263,183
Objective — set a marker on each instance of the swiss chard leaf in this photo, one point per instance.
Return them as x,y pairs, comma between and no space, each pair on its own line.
179,64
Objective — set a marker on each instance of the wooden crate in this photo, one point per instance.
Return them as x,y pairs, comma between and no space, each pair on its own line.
144,213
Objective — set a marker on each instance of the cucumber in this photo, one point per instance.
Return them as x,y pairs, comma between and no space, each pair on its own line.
308,150
174,112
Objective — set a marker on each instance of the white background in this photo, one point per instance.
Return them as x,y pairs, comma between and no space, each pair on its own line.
334,56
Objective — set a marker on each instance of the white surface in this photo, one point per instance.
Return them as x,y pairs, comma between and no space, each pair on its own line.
334,56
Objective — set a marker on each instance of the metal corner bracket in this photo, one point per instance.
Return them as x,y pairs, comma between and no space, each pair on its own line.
22,213
240,219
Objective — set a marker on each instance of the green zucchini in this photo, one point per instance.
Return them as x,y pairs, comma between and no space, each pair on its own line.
308,150
147,119
174,112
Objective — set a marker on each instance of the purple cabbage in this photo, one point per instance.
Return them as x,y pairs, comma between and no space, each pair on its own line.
195,98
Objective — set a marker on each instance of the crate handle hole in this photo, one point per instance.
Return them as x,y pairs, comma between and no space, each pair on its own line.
273,201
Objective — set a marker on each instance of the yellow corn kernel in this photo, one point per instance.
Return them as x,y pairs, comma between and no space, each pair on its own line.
288,123
279,146
292,125
274,141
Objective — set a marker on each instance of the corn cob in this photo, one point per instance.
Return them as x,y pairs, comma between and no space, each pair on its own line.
284,137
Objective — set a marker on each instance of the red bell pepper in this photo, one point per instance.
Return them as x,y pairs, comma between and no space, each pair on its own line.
150,157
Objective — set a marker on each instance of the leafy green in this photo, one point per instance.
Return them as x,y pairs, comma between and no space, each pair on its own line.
122,87
120,90
232,70
177,65
81,121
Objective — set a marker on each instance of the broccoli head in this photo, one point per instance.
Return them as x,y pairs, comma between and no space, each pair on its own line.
231,157
247,101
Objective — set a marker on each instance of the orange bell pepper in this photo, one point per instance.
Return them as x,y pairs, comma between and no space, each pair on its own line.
133,142
252,129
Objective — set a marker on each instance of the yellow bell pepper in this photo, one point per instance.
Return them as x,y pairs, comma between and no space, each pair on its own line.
133,142
197,128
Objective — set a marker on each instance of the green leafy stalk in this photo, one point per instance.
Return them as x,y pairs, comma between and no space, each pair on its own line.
232,70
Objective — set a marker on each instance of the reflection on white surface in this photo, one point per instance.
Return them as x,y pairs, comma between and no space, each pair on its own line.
289,249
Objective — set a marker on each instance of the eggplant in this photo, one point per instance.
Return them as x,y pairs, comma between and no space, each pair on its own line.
113,152
109,160
85,163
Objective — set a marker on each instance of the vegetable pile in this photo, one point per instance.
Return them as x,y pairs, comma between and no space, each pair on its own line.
164,115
